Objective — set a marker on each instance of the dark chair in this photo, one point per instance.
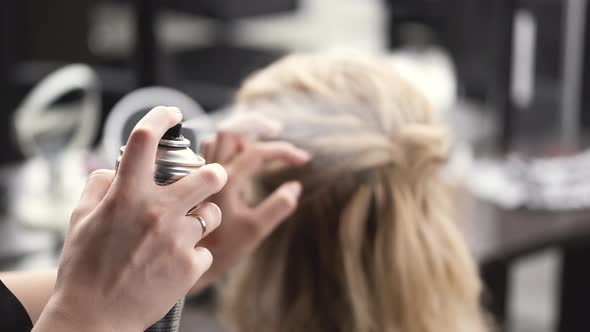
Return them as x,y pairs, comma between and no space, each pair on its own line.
37,38
477,34
232,9
208,74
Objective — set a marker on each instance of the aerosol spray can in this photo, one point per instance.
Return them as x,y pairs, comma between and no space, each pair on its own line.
174,160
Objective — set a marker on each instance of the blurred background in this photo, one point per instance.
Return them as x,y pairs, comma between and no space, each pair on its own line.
509,77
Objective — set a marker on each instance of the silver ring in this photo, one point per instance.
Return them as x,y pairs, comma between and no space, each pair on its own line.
201,221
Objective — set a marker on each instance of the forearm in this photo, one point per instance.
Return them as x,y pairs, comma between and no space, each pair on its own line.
32,288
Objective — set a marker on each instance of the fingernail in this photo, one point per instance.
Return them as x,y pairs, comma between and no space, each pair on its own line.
305,156
294,188
273,130
176,109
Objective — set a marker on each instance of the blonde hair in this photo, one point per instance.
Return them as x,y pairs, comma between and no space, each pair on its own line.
372,245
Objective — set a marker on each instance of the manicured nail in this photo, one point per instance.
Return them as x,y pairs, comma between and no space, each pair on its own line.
176,109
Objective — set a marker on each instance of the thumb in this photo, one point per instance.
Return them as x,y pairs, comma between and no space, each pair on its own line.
278,206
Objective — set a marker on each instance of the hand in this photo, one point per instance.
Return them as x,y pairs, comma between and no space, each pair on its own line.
130,253
245,227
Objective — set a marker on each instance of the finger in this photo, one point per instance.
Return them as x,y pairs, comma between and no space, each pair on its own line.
202,260
193,230
197,186
252,159
97,185
140,153
207,145
226,146
251,124
277,207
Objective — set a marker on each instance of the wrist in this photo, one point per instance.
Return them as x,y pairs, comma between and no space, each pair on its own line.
58,315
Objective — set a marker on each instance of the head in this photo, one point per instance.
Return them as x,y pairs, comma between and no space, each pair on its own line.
372,245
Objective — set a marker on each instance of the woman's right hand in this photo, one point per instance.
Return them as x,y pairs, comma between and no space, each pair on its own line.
130,252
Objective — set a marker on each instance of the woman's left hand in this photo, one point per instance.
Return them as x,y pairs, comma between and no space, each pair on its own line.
245,227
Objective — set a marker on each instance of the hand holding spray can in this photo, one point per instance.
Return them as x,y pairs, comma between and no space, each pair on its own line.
174,160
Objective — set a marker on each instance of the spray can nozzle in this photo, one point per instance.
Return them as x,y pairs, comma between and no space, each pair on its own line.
174,133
